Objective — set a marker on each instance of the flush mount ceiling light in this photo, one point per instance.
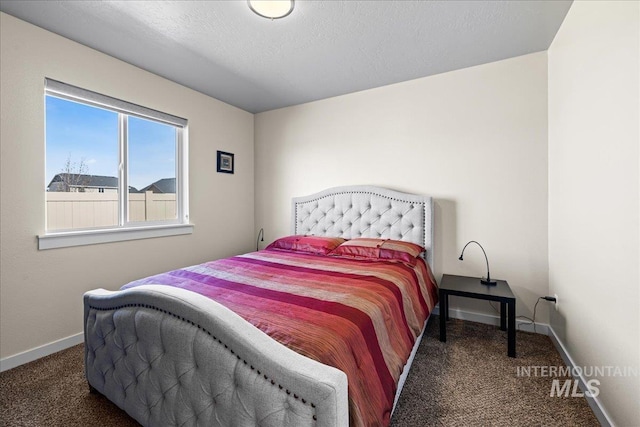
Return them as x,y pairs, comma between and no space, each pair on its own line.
271,9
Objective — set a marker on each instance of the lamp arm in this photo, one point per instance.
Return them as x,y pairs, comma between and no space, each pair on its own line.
259,239
487,261
485,257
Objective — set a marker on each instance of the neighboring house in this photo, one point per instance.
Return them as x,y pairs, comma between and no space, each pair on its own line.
164,186
79,183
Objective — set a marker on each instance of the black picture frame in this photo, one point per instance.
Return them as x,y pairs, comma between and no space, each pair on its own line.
225,162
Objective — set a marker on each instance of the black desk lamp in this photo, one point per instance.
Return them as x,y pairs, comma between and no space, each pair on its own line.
259,239
488,281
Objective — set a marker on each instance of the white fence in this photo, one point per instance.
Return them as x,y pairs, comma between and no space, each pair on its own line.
85,210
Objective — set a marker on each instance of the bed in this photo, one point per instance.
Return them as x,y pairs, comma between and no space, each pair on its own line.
212,344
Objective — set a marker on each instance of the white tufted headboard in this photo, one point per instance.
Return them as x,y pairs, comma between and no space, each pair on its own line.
366,211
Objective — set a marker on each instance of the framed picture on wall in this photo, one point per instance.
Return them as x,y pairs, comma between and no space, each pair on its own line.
225,162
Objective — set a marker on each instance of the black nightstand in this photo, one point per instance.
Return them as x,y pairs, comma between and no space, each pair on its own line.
470,287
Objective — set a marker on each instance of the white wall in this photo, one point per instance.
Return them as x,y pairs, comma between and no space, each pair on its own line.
41,291
475,139
594,193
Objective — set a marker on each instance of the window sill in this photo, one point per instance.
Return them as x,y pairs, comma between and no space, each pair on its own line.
92,237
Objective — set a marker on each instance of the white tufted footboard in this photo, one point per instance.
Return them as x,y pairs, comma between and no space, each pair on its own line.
168,356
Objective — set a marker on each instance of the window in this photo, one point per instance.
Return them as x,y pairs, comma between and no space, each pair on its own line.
114,170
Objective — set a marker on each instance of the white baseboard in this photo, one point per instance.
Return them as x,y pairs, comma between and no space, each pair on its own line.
488,319
595,403
39,352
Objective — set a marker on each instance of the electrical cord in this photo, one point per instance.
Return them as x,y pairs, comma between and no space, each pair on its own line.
494,308
531,321
535,307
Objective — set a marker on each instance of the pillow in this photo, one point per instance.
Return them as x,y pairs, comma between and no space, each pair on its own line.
312,244
380,249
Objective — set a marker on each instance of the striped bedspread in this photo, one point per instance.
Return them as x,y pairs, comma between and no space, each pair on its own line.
360,316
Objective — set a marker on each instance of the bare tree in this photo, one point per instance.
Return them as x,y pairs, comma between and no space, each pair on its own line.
74,175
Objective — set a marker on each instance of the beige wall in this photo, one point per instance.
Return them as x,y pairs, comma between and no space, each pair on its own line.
41,291
594,193
475,139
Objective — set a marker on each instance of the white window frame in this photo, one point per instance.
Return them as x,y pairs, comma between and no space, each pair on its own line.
125,230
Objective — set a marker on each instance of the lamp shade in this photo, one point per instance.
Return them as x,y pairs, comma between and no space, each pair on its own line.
272,9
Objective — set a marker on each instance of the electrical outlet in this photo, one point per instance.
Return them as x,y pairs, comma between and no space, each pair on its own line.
556,304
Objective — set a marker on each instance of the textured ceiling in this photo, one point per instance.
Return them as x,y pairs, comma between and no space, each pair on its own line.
323,49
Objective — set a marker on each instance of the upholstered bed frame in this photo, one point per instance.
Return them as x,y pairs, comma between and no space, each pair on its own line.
172,357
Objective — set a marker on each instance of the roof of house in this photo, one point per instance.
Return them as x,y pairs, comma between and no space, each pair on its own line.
164,185
86,180
80,180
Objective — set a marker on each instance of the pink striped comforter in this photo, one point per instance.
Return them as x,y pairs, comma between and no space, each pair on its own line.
360,316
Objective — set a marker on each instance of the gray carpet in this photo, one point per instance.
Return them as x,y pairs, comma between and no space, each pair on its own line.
467,381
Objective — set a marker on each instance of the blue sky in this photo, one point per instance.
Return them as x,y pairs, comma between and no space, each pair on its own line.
83,133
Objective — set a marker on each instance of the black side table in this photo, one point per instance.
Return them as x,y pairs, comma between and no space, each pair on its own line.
471,287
